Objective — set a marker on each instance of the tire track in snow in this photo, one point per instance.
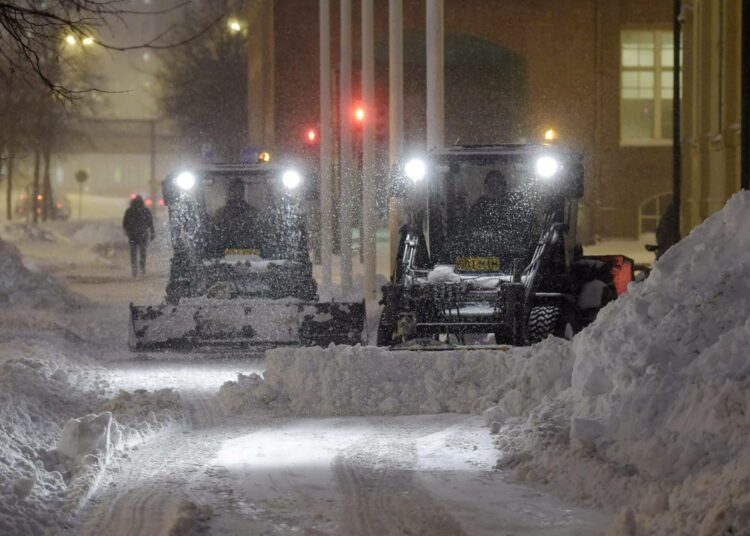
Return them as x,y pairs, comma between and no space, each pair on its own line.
149,498
379,491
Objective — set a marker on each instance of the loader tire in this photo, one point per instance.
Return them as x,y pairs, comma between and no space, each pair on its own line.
386,330
544,320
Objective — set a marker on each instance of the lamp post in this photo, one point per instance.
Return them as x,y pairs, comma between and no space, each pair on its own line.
346,163
745,127
326,167
81,177
369,223
676,137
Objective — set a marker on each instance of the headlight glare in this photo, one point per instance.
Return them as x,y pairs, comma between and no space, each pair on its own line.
547,167
291,179
415,169
185,180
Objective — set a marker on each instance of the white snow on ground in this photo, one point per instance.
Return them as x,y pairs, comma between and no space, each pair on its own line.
635,249
20,287
342,380
58,431
58,424
647,409
657,414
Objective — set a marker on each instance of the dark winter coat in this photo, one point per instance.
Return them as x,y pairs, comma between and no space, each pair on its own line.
665,232
138,222
238,227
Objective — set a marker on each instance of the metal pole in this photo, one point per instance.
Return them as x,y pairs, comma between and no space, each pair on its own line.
676,137
745,127
269,77
368,149
153,190
346,166
435,74
395,105
326,191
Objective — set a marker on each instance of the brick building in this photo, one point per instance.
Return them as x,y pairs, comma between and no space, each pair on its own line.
599,72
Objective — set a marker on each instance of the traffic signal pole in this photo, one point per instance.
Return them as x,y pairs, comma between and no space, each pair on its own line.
346,166
395,106
745,112
367,236
676,122
435,74
326,167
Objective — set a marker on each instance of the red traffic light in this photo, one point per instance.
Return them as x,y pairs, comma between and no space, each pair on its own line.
311,136
359,115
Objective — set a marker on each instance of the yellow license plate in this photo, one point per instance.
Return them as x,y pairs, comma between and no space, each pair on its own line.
477,264
241,251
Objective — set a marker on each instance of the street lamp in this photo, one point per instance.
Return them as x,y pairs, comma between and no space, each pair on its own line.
70,39
87,41
234,26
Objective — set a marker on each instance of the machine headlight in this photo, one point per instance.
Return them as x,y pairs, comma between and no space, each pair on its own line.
291,179
185,180
415,169
547,167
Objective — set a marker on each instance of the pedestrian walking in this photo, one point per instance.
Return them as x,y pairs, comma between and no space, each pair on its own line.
139,226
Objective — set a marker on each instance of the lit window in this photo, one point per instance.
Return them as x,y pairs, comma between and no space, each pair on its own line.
646,86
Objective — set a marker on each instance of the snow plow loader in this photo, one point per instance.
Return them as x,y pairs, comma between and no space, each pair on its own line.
240,273
489,249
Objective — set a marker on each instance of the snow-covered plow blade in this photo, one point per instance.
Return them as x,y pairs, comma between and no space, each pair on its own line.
199,323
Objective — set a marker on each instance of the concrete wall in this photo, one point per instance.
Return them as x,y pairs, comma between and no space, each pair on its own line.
711,107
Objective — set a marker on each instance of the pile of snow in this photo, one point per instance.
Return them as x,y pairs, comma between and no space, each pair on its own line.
657,417
39,389
58,430
20,287
647,410
341,380
23,231
97,233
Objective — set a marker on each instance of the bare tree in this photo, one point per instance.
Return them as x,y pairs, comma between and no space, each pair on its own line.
42,89
31,32
204,82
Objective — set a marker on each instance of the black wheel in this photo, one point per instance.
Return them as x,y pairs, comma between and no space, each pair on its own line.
546,320
386,331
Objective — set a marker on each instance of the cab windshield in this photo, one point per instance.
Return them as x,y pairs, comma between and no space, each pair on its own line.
249,214
485,214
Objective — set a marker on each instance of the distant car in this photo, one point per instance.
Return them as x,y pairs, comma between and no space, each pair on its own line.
61,208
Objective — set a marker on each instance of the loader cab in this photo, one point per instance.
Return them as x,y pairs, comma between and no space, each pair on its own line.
481,209
246,210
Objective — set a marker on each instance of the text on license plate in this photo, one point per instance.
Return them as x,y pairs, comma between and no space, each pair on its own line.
241,251
477,264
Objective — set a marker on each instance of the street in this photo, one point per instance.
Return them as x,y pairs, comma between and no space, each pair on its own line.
264,474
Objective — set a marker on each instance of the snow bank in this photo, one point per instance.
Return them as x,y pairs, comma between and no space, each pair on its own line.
376,381
51,458
647,410
22,231
39,387
99,232
657,417
20,287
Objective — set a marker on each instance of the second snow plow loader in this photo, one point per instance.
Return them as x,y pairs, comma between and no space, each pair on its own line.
240,273
490,249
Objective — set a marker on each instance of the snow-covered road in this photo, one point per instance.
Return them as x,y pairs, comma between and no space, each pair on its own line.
374,476
262,474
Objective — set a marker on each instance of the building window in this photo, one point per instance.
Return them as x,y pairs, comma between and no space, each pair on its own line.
646,87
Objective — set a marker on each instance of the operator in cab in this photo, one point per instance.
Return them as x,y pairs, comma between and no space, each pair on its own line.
237,222
506,214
